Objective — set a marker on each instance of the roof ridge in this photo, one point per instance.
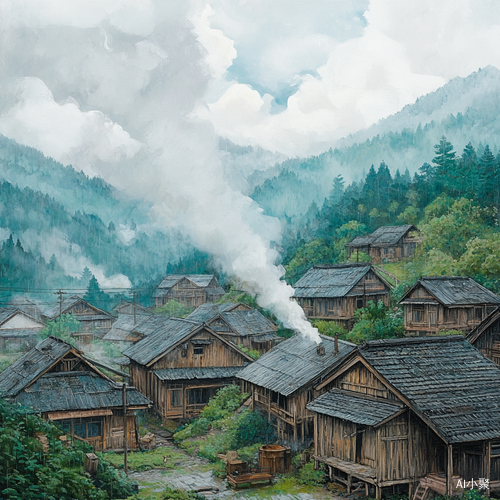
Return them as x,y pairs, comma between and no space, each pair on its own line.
410,340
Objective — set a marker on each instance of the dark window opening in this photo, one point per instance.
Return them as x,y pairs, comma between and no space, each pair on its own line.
184,353
418,313
83,427
175,398
359,303
479,313
198,350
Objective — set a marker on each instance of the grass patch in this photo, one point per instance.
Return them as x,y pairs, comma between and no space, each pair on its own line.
146,460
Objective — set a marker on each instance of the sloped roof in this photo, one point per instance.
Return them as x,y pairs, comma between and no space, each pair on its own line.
201,280
454,291
384,235
198,373
127,307
53,311
487,322
173,330
355,408
151,323
247,323
205,312
6,313
123,326
332,281
445,380
294,363
168,336
79,390
30,365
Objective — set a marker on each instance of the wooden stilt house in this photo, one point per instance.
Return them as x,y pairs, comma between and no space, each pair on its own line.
486,336
93,321
58,381
419,414
240,324
335,292
181,365
282,382
437,303
387,243
190,290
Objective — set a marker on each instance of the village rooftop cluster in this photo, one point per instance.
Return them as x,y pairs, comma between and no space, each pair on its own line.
419,413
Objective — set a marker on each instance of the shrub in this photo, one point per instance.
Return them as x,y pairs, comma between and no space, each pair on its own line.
309,476
171,494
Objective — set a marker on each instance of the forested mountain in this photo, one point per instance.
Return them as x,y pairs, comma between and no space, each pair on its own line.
464,110
454,199
55,222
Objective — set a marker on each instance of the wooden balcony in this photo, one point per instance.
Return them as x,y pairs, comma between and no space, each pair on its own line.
263,402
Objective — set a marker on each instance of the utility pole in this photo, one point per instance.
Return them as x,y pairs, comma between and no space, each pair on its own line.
60,293
133,296
124,397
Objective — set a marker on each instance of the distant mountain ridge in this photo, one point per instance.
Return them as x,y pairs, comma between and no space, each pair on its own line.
463,110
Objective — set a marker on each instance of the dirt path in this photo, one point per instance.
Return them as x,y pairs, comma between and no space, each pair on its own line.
193,473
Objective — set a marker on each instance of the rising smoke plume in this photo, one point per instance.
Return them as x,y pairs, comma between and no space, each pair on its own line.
114,87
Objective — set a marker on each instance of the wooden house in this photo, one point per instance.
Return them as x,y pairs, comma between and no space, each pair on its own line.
93,321
18,330
59,382
437,303
387,243
181,365
190,290
240,324
335,292
127,307
282,382
123,331
415,413
486,336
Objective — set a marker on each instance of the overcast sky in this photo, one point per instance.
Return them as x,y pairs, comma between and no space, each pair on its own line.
139,91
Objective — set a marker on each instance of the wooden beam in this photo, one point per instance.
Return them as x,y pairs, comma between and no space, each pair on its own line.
487,463
449,471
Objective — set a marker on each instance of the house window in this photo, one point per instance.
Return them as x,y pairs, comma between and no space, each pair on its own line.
198,350
451,315
479,313
418,313
184,353
470,313
175,398
386,251
359,303
83,427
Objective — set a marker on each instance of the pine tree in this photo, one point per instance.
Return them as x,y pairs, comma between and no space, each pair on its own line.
446,164
488,174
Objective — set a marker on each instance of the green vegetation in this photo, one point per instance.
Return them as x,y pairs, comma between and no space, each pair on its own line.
159,458
28,472
243,430
251,352
62,328
309,476
174,308
376,321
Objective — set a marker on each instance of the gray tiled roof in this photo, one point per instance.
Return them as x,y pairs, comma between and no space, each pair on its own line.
198,373
123,326
354,408
52,312
246,323
29,366
455,291
295,363
330,281
172,331
81,390
206,312
445,380
384,235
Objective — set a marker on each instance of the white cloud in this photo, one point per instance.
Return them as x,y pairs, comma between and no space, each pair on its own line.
62,131
406,50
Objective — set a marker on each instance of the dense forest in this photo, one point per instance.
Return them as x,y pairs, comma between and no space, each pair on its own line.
454,200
